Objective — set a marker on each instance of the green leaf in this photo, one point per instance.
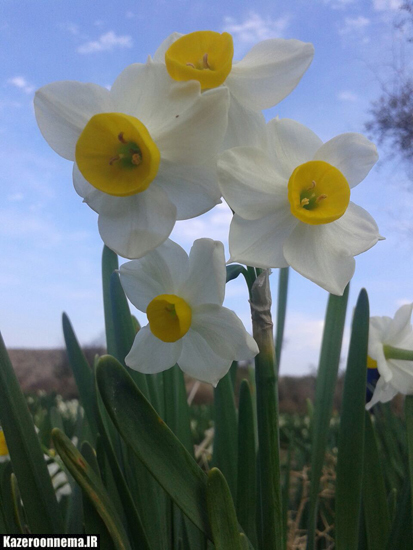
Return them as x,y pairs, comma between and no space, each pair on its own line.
81,371
323,404
281,313
109,265
376,510
225,455
247,464
26,455
234,270
7,502
221,513
408,413
92,487
351,436
17,506
153,442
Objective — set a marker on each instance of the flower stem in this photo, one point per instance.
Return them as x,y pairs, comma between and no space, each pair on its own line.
271,528
281,312
396,353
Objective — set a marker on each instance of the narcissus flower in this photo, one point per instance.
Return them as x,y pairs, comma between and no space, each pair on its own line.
292,203
145,151
390,338
182,297
266,75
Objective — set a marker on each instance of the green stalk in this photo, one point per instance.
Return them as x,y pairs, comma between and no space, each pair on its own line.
396,353
271,528
281,312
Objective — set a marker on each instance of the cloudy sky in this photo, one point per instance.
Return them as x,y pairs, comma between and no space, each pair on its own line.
50,247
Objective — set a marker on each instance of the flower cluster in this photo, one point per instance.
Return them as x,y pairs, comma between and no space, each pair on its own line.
165,143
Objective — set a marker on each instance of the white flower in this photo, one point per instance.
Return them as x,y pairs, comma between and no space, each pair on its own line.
396,375
145,151
266,75
183,298
292,203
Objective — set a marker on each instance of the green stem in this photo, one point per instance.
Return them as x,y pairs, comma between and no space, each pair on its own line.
272,537
396,353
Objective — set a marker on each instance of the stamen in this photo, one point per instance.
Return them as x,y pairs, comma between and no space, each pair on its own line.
313,184
304,202
136,158
114,159
190,65
121,138
320,198
205,61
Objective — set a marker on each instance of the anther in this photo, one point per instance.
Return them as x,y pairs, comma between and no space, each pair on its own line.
114,159
121,138
304,202
190,65
313,184
136,158
320,198
205,61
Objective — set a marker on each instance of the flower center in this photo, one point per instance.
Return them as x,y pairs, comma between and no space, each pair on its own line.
116,154
205,56
318,193
169,317
371,363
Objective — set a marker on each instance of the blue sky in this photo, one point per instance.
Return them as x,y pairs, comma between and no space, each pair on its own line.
50,246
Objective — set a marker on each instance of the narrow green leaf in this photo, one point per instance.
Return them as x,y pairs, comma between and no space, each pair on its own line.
225,456
109,265
29,466
92,488
244,542
351,437
281,312
221,513
323,404
401,533
81,371
234,270
153,442
247,465
17,506
408,413
376,510
7,502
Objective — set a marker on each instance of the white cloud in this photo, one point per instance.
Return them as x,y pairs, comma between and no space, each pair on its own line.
346,95
106,42
255,28
338,4
70,27
21,83
354,24
383,5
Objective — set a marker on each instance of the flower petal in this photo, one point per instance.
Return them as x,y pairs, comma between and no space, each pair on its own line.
402,379
312,251
161,271
196,135
245,127
250,183
292,143
224,332
147,92
159,55
260,242
269,72
353,154
63,109
400,327
150,355
81,185
192,189
132,226
383,393
200,361
356,230
206,276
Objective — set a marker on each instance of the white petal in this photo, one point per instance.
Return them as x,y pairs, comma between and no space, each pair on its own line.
291,143
132,226
147,92
192,189
402,379
196,135
382,394
224,332
82,186
311,251
150,355
200,361
353,154
269,72
159,55
400,327
205,282
259,243
376,352
63,109
245,127
250,183
161,271
356,230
